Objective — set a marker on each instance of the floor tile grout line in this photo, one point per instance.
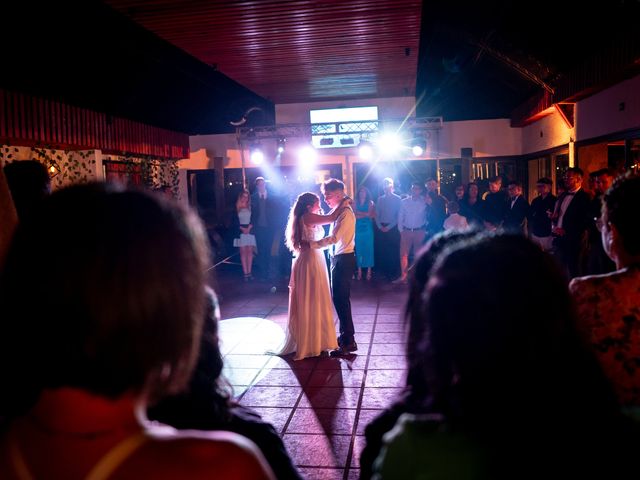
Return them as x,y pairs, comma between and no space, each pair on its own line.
295,406
354,431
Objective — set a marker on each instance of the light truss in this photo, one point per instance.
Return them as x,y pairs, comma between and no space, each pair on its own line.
366,129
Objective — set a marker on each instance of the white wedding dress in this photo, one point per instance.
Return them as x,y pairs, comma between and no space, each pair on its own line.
310,329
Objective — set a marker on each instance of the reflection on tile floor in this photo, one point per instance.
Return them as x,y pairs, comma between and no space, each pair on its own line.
319,406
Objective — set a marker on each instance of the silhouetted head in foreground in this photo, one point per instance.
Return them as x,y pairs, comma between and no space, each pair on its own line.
104,291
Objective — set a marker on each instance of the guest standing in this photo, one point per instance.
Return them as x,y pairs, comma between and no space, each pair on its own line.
388,245
495,204
472,206
609,304
455,221
571,215
411,224
597,259
246,240
539,215
264,206
365,214
437,207
515,219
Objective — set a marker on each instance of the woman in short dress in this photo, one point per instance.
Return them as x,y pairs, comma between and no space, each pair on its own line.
246,242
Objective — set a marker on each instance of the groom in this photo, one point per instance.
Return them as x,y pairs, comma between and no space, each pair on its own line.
343,263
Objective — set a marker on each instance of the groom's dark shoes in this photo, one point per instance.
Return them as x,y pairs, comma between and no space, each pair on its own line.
344,349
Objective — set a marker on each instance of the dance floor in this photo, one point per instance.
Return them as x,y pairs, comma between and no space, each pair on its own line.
319,406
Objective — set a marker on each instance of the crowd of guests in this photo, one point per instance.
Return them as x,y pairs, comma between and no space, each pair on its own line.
526,377
111,365
391,229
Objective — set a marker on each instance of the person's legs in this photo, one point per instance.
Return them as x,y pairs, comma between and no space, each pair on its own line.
394,252
342,269
405,245
264,250
249,260
384,246
246,257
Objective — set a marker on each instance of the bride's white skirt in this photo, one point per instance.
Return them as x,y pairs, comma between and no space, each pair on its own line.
311,328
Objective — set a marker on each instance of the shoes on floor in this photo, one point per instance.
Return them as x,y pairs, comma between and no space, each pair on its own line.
369,275
344,349
400,281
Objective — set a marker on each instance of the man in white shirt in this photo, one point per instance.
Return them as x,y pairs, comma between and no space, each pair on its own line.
388,239
341,242
411,224
572,220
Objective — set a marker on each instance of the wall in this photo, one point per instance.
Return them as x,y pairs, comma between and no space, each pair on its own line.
205,147
601,114
594,116
592,158
548,132
487,138
76,166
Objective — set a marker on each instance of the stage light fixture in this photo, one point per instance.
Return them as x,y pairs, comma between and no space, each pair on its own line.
418,146
281,144
256,155
347,141
365,150
390,143
307,156
326,141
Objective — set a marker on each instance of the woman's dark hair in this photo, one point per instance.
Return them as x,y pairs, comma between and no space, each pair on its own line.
508,349
368,197
415,322
103,290
240,195
205,404
293,233
621,204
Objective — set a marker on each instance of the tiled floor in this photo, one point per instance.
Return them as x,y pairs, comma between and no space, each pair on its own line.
320,406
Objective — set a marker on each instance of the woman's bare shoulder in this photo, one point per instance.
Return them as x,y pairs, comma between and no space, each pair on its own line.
200,454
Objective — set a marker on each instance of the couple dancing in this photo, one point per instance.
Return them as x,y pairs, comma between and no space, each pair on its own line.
311,329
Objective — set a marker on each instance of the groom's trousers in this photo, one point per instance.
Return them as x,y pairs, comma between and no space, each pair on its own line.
343,267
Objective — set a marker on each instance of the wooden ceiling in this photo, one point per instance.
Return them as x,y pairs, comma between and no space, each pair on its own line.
291,51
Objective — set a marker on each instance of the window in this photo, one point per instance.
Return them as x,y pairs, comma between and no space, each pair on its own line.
342,127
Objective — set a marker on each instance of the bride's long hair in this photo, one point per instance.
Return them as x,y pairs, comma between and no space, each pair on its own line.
293,233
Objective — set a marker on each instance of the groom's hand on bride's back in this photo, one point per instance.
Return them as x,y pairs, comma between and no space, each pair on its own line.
304,245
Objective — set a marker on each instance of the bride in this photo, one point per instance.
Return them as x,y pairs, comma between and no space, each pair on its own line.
310,329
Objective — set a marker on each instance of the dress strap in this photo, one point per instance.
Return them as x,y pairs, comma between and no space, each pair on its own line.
18,462
101,471
114,457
